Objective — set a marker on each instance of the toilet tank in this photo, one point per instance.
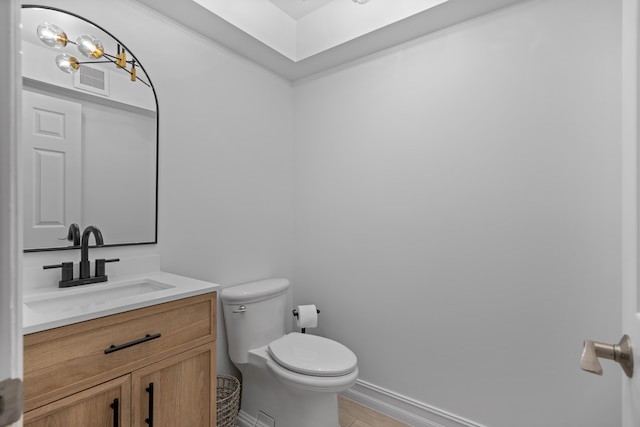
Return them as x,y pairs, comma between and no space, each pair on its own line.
260,321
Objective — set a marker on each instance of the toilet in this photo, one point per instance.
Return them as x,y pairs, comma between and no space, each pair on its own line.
288,380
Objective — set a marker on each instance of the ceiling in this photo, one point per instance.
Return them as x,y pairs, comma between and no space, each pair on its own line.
297,9
299,38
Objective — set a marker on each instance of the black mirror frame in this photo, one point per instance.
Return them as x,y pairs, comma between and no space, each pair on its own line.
155,96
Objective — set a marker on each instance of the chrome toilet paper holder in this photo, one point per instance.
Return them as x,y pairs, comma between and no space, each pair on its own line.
295,314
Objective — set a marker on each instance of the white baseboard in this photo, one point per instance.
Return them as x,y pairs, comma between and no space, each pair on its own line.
402,408
246,420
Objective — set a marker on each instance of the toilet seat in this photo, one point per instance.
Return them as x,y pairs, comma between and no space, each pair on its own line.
312,382
312,355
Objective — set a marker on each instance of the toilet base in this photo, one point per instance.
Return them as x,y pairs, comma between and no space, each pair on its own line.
286,405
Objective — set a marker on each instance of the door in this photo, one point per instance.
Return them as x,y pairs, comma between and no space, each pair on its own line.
104,405
630,211
176,392
51,149
627,351
10,235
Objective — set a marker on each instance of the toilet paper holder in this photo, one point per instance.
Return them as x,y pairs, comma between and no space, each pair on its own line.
295,314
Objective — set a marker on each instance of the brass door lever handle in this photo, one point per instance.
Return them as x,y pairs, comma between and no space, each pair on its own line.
621,353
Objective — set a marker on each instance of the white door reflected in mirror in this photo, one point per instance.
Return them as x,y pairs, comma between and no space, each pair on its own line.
52,153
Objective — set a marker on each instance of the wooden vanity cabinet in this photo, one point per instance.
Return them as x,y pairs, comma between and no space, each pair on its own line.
181,390
163,369
98,406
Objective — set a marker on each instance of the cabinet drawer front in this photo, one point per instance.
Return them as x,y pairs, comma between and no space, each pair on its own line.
65,360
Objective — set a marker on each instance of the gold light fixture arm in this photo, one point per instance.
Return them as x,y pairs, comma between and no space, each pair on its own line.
121,60
89,46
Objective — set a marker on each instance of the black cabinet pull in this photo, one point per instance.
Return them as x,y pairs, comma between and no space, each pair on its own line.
116,412
131,344
150,391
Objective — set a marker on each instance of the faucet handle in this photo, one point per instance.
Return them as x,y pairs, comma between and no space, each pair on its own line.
67,270
100,270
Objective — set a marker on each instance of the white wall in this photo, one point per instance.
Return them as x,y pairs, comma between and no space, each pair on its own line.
226,162
225,203
119,172
457,213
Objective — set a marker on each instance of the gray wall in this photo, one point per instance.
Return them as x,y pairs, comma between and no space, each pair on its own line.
455,200
457,213
226,162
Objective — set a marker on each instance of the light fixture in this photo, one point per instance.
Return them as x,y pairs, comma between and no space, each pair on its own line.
361,1
88,46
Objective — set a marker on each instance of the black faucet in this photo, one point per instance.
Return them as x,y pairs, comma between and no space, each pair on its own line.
85,267
74,234
85,275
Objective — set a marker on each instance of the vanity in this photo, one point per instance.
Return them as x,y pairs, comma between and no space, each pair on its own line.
138,351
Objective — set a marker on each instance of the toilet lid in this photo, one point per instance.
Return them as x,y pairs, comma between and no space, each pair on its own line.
312,355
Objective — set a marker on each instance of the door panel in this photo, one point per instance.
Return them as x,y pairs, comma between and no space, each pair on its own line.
52,153
630,212
10,225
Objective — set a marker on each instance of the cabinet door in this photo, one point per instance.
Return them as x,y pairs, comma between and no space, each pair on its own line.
105,405
177,392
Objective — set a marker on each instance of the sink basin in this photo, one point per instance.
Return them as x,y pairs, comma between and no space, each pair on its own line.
82,300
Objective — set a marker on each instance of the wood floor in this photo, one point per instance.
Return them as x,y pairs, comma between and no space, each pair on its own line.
353,414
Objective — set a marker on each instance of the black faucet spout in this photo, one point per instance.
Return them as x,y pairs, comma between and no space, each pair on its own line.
74,234
84,249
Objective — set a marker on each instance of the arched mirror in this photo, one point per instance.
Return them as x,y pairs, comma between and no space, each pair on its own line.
89,134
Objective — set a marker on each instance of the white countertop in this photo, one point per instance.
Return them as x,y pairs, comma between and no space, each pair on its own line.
38,315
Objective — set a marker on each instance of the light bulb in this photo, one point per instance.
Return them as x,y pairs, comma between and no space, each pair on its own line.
67,63
90,46
52,35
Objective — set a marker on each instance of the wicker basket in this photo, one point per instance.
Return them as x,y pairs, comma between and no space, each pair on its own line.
227,401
